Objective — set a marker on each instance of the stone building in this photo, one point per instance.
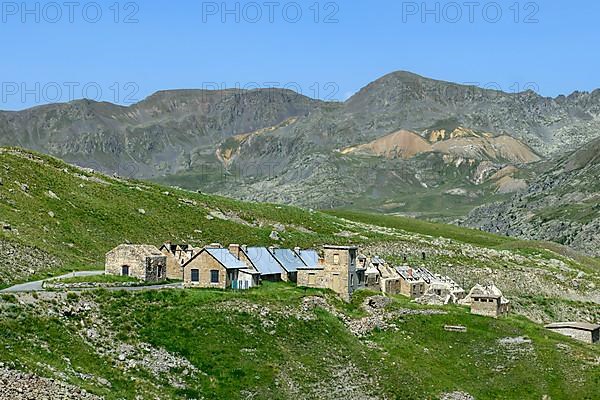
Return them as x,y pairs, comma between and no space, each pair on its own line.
442,290
216,267
487,301
582,331
143,262
337,270
380,276
177,255
413,282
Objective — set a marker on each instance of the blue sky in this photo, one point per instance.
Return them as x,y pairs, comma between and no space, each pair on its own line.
54,52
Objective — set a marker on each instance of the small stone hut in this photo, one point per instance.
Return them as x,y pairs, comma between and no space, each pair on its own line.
582,331
143,262
487,301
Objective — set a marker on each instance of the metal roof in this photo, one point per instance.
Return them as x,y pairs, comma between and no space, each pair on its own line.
226,258
264,261
377,260
310,258
414,274
289,259
574,325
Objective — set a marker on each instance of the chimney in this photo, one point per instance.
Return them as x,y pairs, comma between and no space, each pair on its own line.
410,272
297,250
272,249
215,246
321,261
235,250
244,248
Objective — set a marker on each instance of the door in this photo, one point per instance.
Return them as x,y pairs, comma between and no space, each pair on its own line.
125,270
335,283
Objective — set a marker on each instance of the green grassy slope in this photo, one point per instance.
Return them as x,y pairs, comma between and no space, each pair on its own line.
267,344
469,236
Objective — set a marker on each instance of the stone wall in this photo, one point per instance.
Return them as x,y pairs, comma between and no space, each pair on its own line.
141,265
578,334
413,290
156,268
174,267
315,278
487,308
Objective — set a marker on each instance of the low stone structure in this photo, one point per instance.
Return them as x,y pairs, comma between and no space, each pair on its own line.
487,301
443,290
143,262
338,270
582,331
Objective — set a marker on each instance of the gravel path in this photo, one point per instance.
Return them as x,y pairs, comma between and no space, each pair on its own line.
38,286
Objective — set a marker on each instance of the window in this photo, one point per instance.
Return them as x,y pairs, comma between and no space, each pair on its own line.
214,276
195,275
312,279
125,270
336,259
160,272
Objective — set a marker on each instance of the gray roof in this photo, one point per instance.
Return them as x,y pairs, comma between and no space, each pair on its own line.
574,325
377,260
310,258
226,258
417,274
289,259
335,247
263,261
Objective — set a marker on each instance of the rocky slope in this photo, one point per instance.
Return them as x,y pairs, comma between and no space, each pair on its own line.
279,146
154,137
16,385
277,342
562,205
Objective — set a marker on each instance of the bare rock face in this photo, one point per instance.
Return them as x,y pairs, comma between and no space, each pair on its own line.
561,205
21,386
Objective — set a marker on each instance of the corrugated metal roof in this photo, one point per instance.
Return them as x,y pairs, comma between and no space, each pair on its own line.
310,258
226,258
289,259
264,261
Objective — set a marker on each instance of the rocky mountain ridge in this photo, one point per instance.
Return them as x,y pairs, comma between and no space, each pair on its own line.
561,205
276,145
